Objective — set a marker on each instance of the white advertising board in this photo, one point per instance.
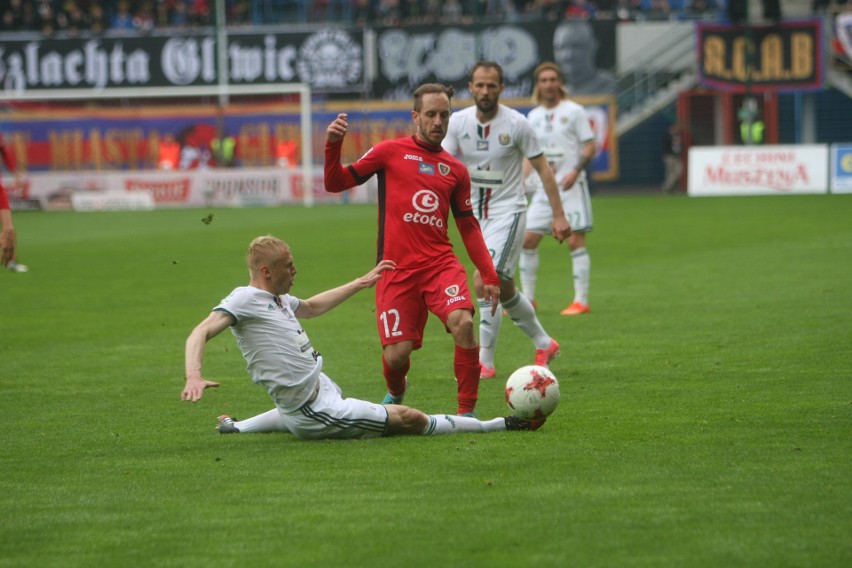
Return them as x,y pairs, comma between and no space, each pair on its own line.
249,187
112,201
841,167
758,170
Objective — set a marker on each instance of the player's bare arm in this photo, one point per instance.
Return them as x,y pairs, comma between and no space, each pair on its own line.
325,301
212,326
7,237
560,228
587,154
338,128
336,177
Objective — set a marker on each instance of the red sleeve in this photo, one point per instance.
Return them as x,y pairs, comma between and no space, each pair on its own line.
477,251
4,199
337,178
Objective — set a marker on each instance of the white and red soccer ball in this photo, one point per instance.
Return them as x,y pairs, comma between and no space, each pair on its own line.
532,392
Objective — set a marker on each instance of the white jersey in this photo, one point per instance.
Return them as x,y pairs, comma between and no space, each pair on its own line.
494,154
279,354
562,132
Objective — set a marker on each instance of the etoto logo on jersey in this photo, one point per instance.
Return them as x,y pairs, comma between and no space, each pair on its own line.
426,202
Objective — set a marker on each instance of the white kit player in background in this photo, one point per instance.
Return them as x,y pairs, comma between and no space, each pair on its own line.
565,134
492,140
263,317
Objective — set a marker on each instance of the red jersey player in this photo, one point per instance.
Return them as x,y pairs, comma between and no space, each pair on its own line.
7,229
419,184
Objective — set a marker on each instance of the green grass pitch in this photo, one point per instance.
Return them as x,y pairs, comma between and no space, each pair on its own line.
705,415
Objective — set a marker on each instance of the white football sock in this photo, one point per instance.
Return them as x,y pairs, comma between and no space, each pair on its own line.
523,315
269,421
451,424
581,265
489,329
529,272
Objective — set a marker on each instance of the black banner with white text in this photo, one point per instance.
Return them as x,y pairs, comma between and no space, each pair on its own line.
785,57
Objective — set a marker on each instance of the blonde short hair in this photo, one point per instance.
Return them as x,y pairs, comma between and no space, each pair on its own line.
548,66
265,250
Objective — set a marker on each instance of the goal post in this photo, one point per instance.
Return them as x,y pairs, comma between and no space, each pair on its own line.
222,92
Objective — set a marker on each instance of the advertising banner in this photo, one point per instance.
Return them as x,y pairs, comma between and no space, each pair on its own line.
758,170
251,187
408,57
787,56
136,138
841,168
329,60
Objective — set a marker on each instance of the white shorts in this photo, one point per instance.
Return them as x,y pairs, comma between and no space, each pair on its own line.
576,203
330,415
504,237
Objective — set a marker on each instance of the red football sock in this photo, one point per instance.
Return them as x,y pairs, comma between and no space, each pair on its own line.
395,378
466,366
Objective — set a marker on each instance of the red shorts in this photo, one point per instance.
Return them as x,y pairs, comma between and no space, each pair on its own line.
404,299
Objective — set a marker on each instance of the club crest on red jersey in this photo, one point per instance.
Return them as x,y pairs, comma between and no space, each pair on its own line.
444,169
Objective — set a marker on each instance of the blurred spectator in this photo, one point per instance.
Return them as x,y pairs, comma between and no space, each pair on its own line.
46,14
431,10
528,10
238,11
673,147
179,14
73,17
122,19
77,19
818,7
337,10
97,17
143,18
363,12
169,153
500,10
701,8
629,10
388,13
411,11
14,17
451,12
580,10
553,10
659,10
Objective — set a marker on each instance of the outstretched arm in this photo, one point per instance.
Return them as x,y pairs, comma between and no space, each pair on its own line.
337,178
325,301
561,228
212,326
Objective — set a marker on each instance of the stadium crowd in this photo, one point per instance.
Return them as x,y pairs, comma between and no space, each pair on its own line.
75,17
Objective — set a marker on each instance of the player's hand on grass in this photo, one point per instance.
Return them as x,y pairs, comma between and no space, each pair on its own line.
195,388
338,128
